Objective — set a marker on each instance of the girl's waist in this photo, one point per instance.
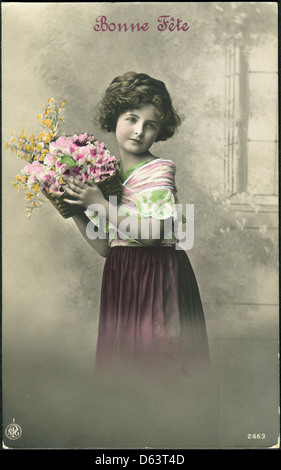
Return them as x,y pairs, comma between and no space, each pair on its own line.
119,243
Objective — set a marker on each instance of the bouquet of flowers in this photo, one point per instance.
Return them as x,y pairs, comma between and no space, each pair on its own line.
52,161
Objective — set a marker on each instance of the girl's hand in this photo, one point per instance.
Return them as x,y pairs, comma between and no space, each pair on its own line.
84,194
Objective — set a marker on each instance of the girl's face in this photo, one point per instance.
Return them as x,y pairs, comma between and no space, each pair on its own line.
137,129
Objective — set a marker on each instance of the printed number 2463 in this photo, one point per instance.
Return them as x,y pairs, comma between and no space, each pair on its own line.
256,436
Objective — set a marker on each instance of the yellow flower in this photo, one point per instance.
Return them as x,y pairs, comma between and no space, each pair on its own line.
22,134
50,100
47,111
36,187
41,136
43,155
31,138
48,137
62,180
7,145
62,104
47,122
39,116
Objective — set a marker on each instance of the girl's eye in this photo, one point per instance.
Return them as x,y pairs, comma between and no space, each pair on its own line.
150,125
131,119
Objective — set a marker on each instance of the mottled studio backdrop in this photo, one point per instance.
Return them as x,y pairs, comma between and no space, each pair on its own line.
222,75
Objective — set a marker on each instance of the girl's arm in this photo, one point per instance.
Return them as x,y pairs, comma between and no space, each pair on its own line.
85,195
99,244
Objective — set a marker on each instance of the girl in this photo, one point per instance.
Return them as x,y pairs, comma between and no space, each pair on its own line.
151,316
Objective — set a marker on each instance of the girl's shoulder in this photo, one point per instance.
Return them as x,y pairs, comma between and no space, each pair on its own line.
161,164
158,169
162,160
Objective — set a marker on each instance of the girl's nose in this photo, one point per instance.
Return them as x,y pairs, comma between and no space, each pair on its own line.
138,129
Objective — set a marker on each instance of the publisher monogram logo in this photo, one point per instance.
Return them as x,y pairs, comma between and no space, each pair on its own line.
13,431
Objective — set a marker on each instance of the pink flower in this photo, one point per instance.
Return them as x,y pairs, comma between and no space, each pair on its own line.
81,155
55,186
62,168
72,149
32,180
34,168
75,171
49,160
49,176
60,142
82,139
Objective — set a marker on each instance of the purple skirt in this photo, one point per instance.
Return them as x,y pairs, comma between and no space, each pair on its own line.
151,313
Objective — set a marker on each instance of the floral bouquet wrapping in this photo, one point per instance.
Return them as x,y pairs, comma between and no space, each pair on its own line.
54,161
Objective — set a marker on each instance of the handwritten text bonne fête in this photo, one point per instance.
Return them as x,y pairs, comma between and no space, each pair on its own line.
164,23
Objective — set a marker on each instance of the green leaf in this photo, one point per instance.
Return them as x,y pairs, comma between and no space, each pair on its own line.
68,161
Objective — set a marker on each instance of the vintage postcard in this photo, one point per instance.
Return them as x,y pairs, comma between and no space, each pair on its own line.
155,336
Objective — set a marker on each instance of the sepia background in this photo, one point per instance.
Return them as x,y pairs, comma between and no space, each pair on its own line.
222,76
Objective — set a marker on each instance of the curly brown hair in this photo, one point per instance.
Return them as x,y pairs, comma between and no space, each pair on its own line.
132,90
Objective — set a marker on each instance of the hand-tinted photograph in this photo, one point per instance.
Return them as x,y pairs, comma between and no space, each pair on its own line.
140,226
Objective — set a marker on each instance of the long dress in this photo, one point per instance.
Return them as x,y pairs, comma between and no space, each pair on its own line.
151,315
